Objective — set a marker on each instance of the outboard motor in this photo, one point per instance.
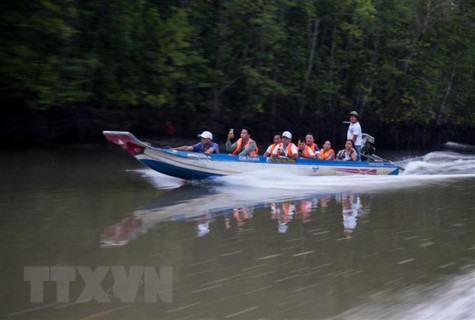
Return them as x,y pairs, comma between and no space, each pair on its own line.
367,148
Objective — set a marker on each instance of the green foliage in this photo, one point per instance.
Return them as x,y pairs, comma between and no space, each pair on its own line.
401,61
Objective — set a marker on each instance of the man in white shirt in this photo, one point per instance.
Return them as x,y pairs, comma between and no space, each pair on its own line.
355,133
286,148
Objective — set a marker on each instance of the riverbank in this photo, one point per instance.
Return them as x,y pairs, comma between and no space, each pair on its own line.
65,125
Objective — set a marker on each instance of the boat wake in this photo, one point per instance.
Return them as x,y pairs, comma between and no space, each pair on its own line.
451,298
159,180
440,163
433,168
459,146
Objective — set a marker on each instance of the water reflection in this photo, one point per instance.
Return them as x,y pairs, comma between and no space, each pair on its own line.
202,206
411,258
283,212
298,210
349,209
177,204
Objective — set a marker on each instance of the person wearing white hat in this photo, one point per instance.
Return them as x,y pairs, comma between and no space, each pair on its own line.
206,145
286,148
355,133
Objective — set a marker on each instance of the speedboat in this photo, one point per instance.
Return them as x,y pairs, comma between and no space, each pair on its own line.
195,166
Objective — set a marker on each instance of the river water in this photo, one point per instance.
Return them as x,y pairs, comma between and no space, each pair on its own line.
241,247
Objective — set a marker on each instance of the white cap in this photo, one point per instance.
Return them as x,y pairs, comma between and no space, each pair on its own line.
206,135
287,134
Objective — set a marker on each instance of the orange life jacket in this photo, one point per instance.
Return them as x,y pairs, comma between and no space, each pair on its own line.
313,146
288,150
238,149
272,147
306,152
326,154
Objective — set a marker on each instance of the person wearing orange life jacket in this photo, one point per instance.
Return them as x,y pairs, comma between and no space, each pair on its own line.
327,153
244,146
304,150
286,148
271,148
310,142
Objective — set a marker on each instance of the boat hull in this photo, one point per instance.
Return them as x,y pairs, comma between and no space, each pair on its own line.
196,166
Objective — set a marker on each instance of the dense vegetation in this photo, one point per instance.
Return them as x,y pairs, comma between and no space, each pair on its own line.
405,62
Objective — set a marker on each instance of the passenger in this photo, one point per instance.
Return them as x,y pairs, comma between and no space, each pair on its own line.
327,153
286,148
349,153
311,143
244,146
354,133
206,146
271,148
304,150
